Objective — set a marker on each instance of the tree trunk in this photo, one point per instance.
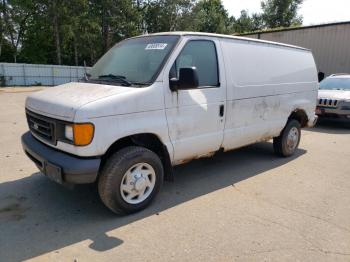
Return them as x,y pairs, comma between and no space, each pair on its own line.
1,42
92,56
56,32
1,32
105,29
76,55
7,23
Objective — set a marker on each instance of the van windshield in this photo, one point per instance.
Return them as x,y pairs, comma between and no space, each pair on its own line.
335,83
135,61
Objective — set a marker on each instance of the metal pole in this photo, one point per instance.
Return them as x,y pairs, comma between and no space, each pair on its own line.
24,75
53,77
3,73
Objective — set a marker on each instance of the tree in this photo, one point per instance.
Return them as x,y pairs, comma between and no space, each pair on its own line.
247,23
72,31
281,13
166,15
118,19
15,15
211,16
38,43
2,27
54,11
74,24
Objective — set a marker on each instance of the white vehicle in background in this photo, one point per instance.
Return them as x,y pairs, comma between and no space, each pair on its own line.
334,96
155,101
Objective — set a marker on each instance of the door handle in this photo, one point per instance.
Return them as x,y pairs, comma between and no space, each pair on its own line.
221,110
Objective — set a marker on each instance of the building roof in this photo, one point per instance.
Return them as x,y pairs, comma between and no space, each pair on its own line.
293,28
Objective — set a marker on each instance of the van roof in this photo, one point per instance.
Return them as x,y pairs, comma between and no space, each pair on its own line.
183,33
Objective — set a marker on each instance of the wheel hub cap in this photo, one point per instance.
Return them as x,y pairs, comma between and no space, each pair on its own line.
138,183
292,139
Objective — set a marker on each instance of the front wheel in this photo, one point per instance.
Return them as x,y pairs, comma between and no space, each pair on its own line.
287,143
130,180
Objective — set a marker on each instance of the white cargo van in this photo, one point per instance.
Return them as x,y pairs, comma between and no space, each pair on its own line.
155,101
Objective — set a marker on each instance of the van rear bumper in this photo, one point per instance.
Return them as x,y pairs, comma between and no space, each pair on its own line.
59,166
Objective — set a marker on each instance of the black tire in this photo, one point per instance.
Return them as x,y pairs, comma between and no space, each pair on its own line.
113,172
280,145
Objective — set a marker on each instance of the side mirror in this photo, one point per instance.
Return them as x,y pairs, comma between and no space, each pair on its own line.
188,79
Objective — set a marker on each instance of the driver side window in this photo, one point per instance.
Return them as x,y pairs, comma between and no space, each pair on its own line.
202,55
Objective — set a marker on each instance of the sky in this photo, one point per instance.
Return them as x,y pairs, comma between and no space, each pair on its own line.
313,11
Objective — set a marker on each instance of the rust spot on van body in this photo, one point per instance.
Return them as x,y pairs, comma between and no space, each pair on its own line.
189,159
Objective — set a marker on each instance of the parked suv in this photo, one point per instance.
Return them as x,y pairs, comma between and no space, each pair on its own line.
334,96
155,101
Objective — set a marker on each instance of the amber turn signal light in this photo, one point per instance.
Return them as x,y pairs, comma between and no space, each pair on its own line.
83,134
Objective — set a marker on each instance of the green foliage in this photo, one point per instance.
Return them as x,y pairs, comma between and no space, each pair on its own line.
211,16
166,15
246,23
281,13
73,31
6,51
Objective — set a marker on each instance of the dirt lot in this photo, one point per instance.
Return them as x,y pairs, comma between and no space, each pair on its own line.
246,205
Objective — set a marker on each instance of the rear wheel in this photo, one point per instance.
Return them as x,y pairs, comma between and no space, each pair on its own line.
130,180
287,143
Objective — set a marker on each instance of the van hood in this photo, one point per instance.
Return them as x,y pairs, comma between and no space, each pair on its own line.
63,101
334,94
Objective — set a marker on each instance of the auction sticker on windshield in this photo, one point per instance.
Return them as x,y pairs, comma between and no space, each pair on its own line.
156,46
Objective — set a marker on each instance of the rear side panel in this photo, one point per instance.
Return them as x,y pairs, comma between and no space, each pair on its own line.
265,83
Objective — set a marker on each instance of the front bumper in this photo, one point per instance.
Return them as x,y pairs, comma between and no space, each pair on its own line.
323,111
59,166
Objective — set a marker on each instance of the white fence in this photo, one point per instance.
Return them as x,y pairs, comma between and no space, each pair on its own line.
13,74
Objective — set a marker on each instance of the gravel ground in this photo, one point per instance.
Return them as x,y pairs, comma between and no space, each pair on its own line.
245,205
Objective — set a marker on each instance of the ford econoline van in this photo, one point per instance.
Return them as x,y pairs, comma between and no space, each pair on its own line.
160,100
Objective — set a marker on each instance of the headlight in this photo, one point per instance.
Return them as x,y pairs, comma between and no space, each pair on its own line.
68,132
80,134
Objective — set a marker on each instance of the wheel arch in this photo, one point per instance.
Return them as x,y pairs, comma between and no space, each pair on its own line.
299,115
148,140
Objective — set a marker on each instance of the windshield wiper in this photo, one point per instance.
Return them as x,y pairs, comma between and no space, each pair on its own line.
140,84
116,77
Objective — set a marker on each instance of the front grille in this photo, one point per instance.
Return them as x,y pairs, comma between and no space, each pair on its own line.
328,102
42,127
